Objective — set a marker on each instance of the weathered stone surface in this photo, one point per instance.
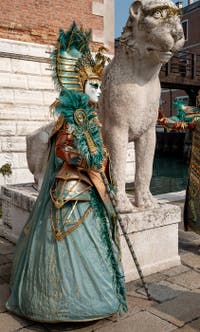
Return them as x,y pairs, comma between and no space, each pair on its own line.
152,251
49,97
13,80
5,64
43,83
25,67
19,158
12,144
190,279
186,328
175,270
140,103
4,294
189,236
9,323
191,260
195,324
136,302
163,291
181,310
140,322
7,129
20,175
153,278
140,219
28,97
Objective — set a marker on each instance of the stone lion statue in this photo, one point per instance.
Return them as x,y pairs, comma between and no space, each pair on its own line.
131,92
130,96
37,152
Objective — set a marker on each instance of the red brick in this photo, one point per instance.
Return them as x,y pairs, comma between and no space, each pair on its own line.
40,20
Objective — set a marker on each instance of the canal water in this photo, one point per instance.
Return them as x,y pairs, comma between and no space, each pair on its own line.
170,174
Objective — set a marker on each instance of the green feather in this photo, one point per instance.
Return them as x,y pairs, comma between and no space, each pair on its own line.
70,101
75,42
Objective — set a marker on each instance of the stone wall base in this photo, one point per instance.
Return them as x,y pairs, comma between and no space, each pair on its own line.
153,232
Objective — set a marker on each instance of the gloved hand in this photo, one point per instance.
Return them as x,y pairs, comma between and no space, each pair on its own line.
75,161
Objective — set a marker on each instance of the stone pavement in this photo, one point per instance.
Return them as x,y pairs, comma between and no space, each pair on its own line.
175,292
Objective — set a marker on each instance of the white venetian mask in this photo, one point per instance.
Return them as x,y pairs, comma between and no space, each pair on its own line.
93,89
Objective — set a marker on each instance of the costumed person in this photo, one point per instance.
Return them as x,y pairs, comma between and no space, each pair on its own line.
192,206
188,118
198,99
67,265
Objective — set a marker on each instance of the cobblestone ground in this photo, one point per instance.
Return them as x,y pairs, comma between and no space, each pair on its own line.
175,292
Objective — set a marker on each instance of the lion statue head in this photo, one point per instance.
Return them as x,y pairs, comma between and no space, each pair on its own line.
154,29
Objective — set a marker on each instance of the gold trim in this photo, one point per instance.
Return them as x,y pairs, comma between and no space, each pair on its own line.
66,69
67,57
70,76
71,83
78,89
64,201
61,321
66,62
60,235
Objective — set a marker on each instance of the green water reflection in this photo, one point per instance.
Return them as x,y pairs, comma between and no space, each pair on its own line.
170,174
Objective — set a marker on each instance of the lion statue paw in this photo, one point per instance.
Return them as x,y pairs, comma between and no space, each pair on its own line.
145,200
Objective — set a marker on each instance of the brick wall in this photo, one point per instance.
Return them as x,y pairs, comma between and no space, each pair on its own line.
192,17
38,21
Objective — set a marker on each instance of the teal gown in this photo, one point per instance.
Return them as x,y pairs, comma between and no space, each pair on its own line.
78,278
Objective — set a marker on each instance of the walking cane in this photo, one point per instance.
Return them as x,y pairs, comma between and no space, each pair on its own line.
126,236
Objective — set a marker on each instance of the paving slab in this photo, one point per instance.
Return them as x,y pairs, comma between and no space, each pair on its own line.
188,246
4,294
163,291
181,310
186,328
175,271
190,279
153,278
136,304
78,327
195,323
140,322
10,323
191,260
188,236
139,299
34,328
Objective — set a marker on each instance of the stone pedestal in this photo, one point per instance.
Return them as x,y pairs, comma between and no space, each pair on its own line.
17,202
153,232
154,236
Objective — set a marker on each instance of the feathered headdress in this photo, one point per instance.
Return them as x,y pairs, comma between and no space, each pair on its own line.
72,61
71,45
